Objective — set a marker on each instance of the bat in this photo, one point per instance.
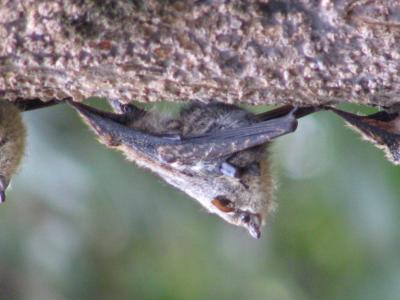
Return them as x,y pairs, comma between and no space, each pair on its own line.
215,153
381,128
13,137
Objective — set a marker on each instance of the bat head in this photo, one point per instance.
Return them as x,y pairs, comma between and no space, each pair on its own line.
252,221
245,201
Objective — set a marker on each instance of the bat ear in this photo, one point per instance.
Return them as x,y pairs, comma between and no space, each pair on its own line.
223,204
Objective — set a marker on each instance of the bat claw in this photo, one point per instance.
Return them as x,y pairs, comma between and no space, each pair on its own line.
3,187
117,106
130,111
2,197
294,110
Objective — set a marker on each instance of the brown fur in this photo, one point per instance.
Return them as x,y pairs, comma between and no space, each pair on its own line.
12,139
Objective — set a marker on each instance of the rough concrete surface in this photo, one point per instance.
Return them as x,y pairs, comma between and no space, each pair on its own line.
257,52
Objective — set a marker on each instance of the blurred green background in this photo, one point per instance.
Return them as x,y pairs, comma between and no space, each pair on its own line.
82,223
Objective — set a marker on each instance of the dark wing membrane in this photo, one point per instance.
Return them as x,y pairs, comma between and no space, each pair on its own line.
378,128
281,111
35,103
226,142
373,126
112,130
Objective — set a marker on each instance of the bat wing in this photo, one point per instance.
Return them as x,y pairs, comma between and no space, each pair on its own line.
379,128
36,103
226,142
111,128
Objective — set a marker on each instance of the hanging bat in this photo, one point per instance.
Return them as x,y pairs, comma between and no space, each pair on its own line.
215,153
13,137
381,128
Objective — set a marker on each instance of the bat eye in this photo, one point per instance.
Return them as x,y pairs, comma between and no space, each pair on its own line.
223,204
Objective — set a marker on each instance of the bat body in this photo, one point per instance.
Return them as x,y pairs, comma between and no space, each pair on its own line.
215,153
12,143
13,136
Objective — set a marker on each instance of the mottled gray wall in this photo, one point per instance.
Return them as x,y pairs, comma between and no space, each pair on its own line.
234,51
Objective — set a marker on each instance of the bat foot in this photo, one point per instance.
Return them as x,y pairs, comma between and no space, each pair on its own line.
230,170
117,106
129,110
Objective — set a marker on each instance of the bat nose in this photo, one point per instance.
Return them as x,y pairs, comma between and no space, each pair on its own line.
2,197
255,231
